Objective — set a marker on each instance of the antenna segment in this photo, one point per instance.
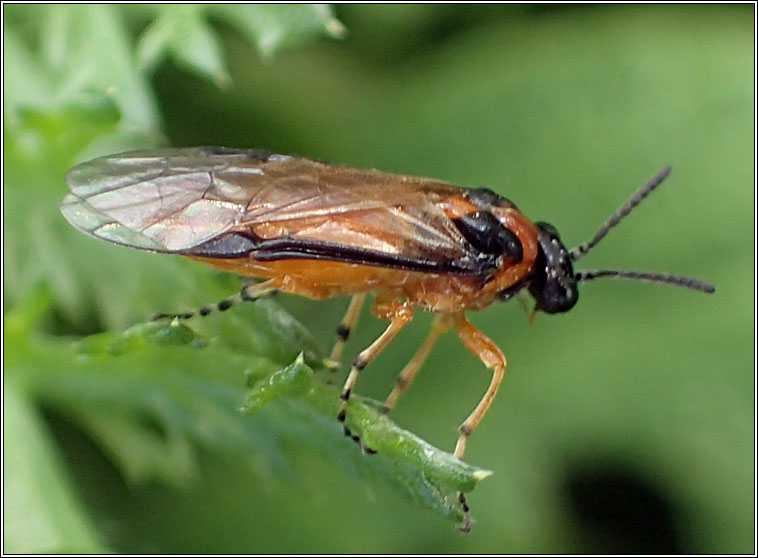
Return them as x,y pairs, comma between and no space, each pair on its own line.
621,212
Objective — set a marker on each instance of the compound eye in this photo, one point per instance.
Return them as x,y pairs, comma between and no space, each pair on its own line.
553,284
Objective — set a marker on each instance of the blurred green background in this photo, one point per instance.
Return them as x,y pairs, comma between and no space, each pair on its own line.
626,425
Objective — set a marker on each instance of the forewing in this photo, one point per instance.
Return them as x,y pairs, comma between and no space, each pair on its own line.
355,215
227,202
167,200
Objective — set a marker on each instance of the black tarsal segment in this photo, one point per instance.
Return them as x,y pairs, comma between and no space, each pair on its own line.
343,332
357,439
359,363
462,500
487,234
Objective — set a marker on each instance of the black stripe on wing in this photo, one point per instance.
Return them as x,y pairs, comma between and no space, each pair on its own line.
241,245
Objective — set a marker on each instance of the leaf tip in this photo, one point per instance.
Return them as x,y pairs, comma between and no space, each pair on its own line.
481,474
335,28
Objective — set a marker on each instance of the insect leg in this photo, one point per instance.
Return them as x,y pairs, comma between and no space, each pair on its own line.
343,332
492,357
405,378
249,293
399,314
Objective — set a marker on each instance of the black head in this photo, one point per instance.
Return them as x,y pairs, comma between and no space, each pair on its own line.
553,282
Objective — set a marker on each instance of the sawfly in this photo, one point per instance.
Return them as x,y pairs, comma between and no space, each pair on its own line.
323,230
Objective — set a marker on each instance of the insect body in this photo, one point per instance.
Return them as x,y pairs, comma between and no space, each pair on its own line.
323,230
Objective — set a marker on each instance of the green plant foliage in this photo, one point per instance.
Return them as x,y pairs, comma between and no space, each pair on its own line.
40,509
272,28
153,394
184,33
428,474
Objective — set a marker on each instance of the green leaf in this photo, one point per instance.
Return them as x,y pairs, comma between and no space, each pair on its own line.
72,86
77,52
87,49
154,393
31,85
423,472
183,33
41,513
274,27
39,147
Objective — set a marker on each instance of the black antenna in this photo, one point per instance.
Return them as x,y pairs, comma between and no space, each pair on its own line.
665,278
620,213
614,220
